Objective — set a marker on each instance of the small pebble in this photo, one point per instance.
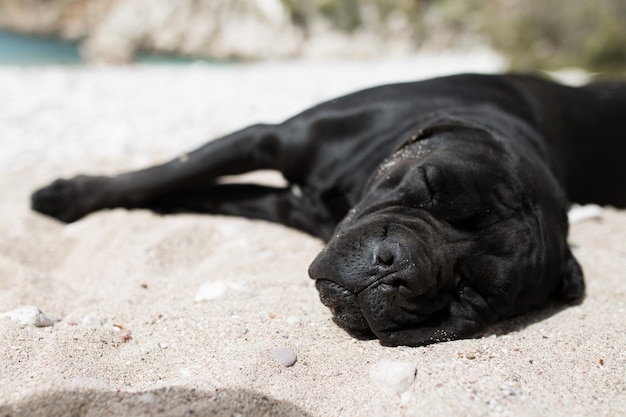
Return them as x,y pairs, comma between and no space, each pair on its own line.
29,315
214,290
210,291
285,356
579,214
393,376
126,336
92,321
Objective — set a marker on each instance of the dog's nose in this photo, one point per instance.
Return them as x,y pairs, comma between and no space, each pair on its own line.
386,254
395,268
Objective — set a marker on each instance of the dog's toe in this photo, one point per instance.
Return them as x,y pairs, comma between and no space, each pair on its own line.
55,200
67,200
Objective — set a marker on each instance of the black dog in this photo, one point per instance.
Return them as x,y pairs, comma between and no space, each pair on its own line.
443,202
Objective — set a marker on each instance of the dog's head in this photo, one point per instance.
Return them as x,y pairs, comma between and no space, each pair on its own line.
455,209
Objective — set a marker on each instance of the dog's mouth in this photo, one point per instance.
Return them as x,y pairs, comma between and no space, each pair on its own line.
345,308
381,308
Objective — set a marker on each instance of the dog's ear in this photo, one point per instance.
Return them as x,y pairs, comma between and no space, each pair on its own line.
572,286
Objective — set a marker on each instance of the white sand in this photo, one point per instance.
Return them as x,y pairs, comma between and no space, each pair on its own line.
159,352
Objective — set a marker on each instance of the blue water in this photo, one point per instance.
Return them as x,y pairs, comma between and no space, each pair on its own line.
34,50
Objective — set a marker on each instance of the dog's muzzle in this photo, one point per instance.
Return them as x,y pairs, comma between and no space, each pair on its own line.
377,282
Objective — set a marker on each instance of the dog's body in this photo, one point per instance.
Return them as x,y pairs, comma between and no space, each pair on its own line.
443,202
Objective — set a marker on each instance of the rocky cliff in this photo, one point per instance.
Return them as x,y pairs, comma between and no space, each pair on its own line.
115,30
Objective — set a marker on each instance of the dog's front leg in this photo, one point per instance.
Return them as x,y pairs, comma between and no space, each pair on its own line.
250,149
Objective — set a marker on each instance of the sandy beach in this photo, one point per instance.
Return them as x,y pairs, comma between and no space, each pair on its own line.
135,314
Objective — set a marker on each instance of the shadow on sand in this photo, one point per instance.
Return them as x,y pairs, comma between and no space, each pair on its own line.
174,401
518,323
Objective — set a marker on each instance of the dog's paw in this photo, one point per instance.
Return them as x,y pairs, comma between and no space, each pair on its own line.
69,200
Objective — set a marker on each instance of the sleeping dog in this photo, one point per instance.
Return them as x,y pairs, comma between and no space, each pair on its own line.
443,202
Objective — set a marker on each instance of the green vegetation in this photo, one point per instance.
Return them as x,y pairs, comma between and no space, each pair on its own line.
533,34
558,33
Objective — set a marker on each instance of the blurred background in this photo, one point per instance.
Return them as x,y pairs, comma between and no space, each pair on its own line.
531,35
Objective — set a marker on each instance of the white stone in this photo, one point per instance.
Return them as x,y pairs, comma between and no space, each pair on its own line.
91,321
394,377
29,315
578,213
213,290
285,356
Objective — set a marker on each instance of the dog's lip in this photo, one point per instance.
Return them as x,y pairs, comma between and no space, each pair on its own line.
402,301
371,281
327,287
355,286
344,305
